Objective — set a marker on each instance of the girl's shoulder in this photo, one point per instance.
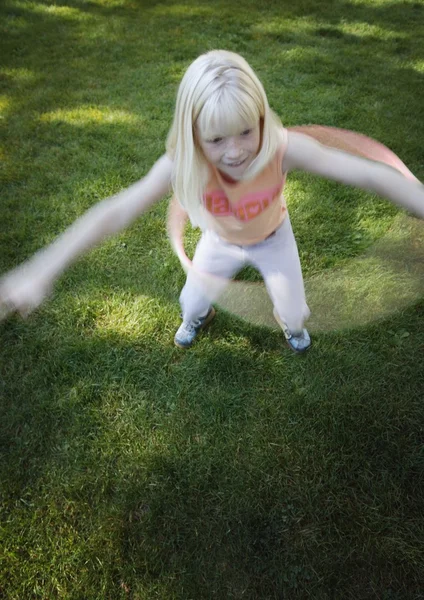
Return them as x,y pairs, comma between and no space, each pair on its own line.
284,135
282,144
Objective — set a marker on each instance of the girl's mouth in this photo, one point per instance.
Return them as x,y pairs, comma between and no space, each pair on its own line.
235,164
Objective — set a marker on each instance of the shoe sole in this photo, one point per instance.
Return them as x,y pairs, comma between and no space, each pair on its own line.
208,319
283,328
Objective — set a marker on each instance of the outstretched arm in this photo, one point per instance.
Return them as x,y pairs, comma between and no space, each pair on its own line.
24,288
309,155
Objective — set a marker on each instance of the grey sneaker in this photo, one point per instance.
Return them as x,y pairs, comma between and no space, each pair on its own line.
298,341
188,330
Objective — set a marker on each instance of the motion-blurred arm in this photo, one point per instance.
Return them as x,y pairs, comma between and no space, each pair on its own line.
24,288
307,154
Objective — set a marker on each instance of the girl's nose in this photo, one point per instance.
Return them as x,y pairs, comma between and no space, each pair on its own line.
234,149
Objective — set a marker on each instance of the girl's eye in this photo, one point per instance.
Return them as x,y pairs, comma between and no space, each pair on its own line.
246,132
216,140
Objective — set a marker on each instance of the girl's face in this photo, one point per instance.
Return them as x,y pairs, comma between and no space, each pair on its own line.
231,152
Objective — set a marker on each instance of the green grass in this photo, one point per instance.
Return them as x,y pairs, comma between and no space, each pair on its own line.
132,470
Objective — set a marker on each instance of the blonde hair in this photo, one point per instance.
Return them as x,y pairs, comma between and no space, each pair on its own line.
218,87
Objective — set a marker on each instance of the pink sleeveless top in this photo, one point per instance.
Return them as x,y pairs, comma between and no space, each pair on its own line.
247,212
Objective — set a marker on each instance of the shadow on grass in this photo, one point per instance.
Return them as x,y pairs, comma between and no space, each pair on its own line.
236,469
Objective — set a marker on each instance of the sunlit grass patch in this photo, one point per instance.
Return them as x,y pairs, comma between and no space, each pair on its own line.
82,116
19,75
5,104
182,10
52,9
418,65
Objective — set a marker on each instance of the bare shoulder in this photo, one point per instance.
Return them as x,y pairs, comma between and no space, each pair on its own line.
301,151
163,165
160,175
307,154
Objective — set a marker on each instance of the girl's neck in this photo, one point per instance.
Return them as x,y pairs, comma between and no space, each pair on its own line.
227,178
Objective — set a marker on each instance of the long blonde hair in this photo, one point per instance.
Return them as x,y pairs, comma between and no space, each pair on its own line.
218,86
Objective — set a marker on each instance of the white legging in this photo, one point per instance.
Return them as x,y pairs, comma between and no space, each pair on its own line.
277,260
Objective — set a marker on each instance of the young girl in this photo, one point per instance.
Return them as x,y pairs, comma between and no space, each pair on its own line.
226,161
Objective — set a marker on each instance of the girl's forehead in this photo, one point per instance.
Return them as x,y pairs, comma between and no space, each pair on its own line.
225,124
227,112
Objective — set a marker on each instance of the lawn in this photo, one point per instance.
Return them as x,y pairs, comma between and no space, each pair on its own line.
130,469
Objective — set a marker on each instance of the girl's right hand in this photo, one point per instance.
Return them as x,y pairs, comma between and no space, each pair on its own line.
23,290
